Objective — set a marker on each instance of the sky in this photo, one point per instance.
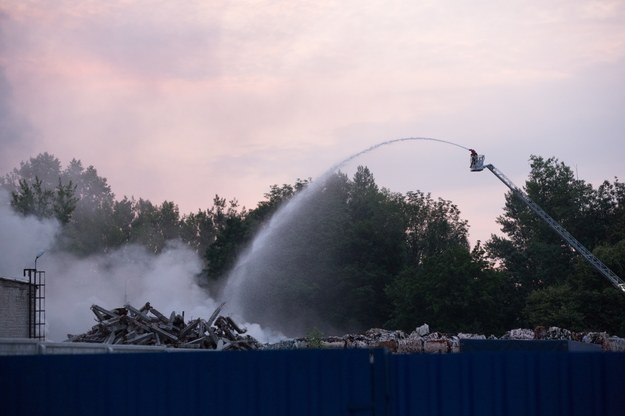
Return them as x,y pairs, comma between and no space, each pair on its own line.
180,101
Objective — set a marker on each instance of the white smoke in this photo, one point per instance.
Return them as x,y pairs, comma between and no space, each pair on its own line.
127,275
21,238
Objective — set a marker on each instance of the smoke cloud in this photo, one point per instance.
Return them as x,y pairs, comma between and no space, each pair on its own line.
127,275
22,238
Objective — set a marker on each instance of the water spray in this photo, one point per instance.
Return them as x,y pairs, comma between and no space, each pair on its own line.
254,287
405,139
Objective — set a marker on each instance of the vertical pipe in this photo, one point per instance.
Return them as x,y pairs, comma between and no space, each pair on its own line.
31,302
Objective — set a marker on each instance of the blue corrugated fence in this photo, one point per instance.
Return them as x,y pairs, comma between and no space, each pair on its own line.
484,384
314,382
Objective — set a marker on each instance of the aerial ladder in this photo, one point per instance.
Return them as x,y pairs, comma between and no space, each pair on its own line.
477,165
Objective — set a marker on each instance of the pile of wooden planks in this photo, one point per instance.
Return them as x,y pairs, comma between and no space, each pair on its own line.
147,326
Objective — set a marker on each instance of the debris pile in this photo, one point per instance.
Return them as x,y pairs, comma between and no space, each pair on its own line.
607,342
421,340
147,326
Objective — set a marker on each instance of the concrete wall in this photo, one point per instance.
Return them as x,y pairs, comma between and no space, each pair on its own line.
13,308
27,346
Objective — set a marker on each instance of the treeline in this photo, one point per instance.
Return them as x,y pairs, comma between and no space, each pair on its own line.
361,256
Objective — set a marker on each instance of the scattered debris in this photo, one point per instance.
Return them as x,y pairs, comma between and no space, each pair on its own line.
422,330
421,340
147,326
520,334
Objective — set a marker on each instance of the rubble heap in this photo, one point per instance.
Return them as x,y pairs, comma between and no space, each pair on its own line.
418,341
147,326
421,340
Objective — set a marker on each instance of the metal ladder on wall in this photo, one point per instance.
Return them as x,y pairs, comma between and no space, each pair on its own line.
36,303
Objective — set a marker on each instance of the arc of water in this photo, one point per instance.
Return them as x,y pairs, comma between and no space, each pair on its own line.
375,146
260,247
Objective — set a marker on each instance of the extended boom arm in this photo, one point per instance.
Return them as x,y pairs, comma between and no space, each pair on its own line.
566,236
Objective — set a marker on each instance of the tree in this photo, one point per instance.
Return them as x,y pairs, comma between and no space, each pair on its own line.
34,199
94,227
373,250
586,302
65,201
33,184
93,191
446,285
534,254
80,199
555,305
558,287
608,213
230,232
292,274
120,227
432,226
152,225
274,199
198,231
439,292
45,167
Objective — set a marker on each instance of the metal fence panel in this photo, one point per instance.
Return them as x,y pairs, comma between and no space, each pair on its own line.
314,382
272,383
510,383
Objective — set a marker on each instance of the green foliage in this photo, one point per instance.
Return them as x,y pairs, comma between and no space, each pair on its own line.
359,256
608,213
152,226
556,285
453,291
432,226
34,199
65,201
229,242
373,249
229,232
554,305
44,166
586,303
302,275
535,255
349,242
442,282
198,231
314,338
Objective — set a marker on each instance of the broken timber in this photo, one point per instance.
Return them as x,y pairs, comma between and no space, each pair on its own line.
148,326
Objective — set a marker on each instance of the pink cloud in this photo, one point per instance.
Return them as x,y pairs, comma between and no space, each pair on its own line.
186,100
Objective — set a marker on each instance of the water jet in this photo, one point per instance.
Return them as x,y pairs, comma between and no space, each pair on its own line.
291,249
